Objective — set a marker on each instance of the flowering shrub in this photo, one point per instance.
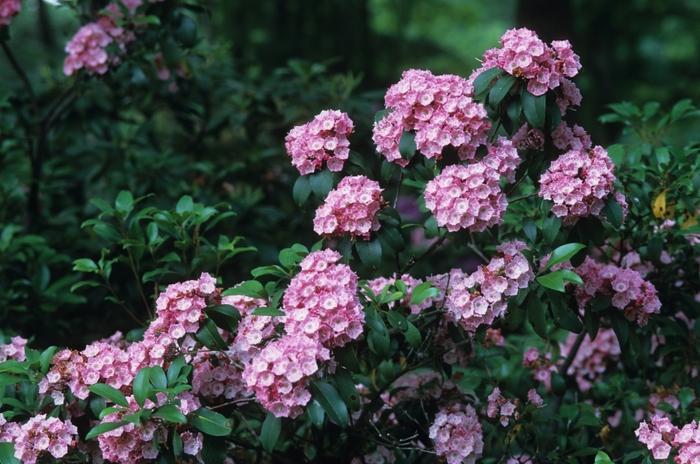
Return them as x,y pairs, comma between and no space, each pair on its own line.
535,302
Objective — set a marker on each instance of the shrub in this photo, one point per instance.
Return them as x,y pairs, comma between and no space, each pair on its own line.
490,287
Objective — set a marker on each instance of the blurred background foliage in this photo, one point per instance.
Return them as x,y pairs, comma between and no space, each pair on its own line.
241,75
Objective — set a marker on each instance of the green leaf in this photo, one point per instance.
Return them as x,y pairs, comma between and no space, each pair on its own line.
564,253
316,413
210,422
270,432
534,108
530,230
184,205
500,89
152,232
209,336
483,80
370,252
158,377
536,314
613,212
564,316
301,190
346,386
550,228
407,145
321,183
224,316
170,413
85,265
174,370
467,379
422,292
268,311
124,202
553,114
142,386
177,444
99,429
332,403
621,327
602,458
555,280
7,454
412,335
46,358
110,393
249,288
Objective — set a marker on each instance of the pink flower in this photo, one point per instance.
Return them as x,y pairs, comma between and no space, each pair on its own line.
8,10
437,109
578,182
321,301
481,297
534,398
501,408
593,357
627,288
687,440
541,366
457,434
322,140
87,49
13,350
466,197
528,138
350,209
41,436
575,137
657,436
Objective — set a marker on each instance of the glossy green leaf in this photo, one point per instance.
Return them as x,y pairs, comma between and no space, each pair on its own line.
500,89
210,422
170,413
109,393
564,253
99,429
534,108
270,432
301,190
329,398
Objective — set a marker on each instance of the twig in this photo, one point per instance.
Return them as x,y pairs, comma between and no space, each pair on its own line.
18,69
412,262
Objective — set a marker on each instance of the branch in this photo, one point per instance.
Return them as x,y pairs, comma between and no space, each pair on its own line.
17,68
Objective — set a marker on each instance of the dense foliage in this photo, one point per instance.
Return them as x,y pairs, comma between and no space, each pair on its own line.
465,277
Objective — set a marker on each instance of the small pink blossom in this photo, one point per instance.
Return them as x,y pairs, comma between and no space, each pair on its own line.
350,209
457,434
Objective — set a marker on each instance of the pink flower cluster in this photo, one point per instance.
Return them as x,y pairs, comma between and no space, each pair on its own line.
132,443
568,96
13,350
252,330
437,109
217,375
534,398
419,383
629,291
457,434
575,137
99,362
466,197
524,55
687,441
380,283
578,182
279,375
503,158
88,47
657,436
41,436
501,408
350,209
481,297
541,365
322,140
593,356
179,311
8,10
321,301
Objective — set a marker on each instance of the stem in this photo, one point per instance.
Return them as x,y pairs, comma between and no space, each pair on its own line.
429,251
17,68
572,354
